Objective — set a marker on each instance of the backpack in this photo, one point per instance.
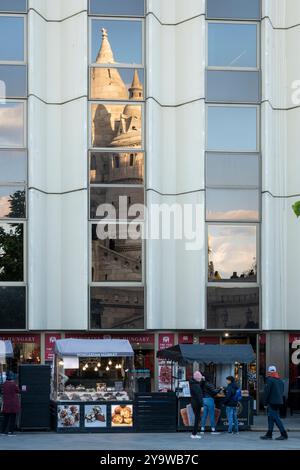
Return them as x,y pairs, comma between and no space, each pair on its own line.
237,396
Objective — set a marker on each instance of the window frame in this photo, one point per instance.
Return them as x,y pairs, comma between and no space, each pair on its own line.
207,220
25,60
234,105
119,14
25,276
235,18
105,66
24,144
232,22
15,185
112,186
23,151
140,283
4,330
116,18
226,101
228,282
25,11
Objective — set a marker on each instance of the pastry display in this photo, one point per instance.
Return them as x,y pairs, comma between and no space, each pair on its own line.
121,415
68,416
95,416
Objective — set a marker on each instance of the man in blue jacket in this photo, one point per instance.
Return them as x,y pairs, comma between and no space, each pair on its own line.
273,399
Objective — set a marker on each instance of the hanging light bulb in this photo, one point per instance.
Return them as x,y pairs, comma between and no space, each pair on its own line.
117,366
61,362
107,368
86,366
96,369
98,364
110,362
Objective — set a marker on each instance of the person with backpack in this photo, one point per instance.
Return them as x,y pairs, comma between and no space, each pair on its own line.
209,392
273,399
232,397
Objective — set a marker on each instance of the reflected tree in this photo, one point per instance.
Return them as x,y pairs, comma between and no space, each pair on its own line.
17,205
11,252
296,208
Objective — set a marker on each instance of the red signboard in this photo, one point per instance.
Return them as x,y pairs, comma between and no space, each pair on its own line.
294,337
50,339
165,340
185,338
132,337
21,338
209,340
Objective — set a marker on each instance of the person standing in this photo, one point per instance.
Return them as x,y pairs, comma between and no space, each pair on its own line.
11,405
196,401
209,392
231,403
273,399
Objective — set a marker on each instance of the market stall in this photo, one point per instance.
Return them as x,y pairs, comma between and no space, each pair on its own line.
93,385
217,362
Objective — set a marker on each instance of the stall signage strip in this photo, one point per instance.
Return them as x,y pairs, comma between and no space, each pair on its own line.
165,340
132,338
21,339
50,340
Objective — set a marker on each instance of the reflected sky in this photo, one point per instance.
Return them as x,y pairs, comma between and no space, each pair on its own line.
232,45
13,5
13,166
232,128
226,204
14,78
239,9
11,124
11,38
232,248
125,38
117,7
232,170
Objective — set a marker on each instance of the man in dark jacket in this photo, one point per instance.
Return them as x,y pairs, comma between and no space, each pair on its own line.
231,404
273,399
196,401
209,392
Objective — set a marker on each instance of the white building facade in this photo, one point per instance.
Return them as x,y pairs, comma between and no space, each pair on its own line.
209,115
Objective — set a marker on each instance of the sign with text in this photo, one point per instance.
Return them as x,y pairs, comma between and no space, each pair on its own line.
295,345
165,340
50,340
21,339
185,338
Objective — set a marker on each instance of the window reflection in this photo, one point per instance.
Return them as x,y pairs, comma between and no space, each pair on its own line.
14,78
232,308
13,166
121,308
118,7
232,169
18,6
118,257
233,86
12,307
232,128
12,124
12,38
232,253
116,83
232,45
236,204
121,199
12,202
11,252
234,9
117,168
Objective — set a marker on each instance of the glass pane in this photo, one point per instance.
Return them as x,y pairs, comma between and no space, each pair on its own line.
232,308
19,6
116,42
11,252
232,45
232,204
12,202
120,201
117,84
232,128
121,307
11,38
116,125
11,124
13,165
225,169
118,257
118,7
12,308
234,9
13,81
233,86
117,168
232,253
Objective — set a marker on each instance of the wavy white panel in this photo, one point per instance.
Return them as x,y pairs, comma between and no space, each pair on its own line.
174,11
57,145
280,265
58,261
176,140
58,9
175,272
57,68
283,13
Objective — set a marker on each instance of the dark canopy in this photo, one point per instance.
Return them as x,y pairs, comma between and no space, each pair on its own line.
208,353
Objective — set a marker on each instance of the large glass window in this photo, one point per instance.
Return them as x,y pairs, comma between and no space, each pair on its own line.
232,45
232,170
232,253
232,128
233,308
13,80
234,9
118,257
12,202
12,47
117,308
122,200
12,307
13,166
117,7
232,204
12,124
231,86
116,83
117,168
18,6
11,252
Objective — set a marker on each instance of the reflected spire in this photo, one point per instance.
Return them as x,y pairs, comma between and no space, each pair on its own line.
105,54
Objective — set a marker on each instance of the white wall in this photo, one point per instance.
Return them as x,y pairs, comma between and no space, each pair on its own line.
57,116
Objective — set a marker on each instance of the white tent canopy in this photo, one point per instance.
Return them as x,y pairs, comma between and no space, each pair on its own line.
6,349
93,347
